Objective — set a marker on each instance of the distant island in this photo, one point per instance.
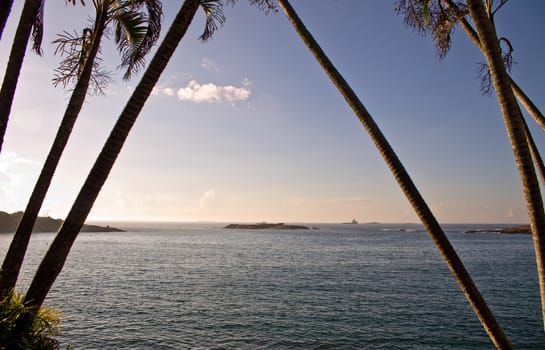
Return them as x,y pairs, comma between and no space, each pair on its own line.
524,229
9,223
265,226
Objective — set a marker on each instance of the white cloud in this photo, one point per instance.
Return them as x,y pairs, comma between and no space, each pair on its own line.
17,178
159,90
209,65
212,93
208,197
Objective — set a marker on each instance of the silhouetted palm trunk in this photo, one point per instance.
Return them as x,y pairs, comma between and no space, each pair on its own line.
5,9
16,252
16,57
59,249
403,179
512,117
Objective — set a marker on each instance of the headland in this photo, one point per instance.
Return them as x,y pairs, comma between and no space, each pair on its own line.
9,223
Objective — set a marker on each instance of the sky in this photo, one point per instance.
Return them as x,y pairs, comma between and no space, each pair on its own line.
248,128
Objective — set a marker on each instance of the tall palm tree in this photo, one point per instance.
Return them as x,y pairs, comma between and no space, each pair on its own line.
135,36
404,181
512,117
5,9
31,17
59,249
432,16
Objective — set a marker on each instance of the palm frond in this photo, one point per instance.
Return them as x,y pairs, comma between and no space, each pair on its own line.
213,10
264,5
507,55
215,18
74,48
130,31
485,79
442,31
414,14
148,29
431,17
154,11
487,87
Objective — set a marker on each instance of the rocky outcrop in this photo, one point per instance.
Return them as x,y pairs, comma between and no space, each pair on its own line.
524,229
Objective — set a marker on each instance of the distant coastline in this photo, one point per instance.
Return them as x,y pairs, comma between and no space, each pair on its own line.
264,226
9,223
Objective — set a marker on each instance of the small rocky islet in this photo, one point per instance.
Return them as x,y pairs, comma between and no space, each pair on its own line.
515,230
267,226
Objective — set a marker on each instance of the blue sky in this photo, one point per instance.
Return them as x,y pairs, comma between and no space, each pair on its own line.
247,127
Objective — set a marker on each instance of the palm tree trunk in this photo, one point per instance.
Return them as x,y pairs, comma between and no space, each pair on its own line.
16,252
5,9
15,62
534,152
403,179
530,107
59,249
512,117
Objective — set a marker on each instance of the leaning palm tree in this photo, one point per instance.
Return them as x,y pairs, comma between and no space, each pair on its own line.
440,17
135,35
54,260
512,116
403,179
30,20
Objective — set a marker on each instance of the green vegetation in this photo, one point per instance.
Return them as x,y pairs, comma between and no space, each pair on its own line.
42,332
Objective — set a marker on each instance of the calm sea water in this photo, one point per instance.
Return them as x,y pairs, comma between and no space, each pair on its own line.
198,286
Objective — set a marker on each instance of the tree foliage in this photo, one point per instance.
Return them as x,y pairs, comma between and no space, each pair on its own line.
439,18
44,329
135,32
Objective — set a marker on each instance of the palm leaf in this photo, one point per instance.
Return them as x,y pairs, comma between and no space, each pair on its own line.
213,10
142,31
74,48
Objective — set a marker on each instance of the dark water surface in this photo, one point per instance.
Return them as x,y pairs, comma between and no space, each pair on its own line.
197,286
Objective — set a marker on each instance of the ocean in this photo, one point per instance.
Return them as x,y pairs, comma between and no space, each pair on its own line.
365,286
